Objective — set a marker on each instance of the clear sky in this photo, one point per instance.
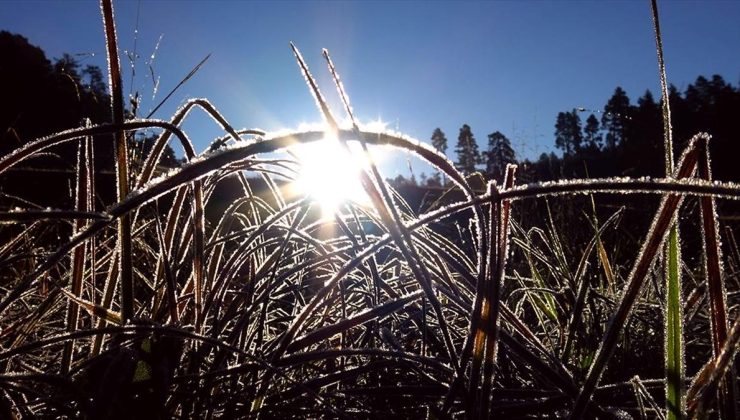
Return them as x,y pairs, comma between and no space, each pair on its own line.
495,65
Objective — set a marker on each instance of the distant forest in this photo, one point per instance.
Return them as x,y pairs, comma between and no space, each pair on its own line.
41,97
623,139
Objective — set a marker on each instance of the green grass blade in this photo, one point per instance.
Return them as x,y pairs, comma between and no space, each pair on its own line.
674,343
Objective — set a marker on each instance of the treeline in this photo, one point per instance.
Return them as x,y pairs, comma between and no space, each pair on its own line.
41,97
622,139
491,162
627,139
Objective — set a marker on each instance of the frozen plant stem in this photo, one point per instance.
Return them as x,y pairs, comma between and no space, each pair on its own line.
124,222
716,290
78,255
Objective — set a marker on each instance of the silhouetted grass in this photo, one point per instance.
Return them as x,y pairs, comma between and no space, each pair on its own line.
150,309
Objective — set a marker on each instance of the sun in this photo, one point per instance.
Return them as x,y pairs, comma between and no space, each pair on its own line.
330,174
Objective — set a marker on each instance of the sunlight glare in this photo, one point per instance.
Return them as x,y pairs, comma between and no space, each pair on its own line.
330,175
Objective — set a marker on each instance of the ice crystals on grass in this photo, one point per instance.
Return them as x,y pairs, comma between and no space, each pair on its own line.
626,185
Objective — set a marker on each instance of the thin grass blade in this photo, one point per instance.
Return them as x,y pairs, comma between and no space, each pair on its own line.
674,341
124,245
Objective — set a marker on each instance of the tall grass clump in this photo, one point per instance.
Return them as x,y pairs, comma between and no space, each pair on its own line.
674,342
172,301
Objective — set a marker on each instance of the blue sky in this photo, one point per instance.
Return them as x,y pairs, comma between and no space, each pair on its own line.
495,65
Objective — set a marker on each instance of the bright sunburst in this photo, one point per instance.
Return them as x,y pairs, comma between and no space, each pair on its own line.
330,174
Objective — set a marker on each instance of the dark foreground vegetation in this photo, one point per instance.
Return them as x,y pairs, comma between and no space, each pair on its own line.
136,286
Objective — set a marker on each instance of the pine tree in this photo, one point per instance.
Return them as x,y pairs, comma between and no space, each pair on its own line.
439,141
499,154
644,148
592,138
615,120
568,136
467,151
